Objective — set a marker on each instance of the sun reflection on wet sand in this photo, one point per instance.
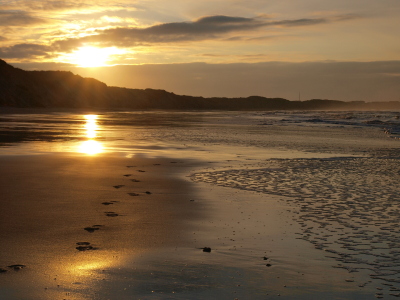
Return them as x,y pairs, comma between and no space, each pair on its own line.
90,146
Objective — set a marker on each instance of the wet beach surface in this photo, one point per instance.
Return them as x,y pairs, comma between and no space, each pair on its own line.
200,205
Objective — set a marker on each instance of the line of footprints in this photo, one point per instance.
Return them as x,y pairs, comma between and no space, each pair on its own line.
85,246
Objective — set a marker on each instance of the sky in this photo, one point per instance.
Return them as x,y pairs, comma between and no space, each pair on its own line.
343,49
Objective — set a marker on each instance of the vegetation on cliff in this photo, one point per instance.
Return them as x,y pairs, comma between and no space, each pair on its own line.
61,89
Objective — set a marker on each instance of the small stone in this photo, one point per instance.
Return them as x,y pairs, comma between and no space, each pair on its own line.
206,249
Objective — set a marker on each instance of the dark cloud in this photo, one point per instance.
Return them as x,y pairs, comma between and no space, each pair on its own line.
300,22
205,28
18,18
25,51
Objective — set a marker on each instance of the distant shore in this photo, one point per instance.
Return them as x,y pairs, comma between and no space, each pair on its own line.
61,89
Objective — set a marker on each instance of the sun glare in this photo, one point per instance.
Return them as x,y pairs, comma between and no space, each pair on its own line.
89,57
90,146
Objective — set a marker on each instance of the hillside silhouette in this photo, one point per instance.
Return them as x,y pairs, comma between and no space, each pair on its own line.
62,89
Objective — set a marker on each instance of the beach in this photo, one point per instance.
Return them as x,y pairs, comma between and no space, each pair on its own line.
199,205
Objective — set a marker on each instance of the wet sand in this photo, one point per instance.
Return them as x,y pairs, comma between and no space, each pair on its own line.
286,211
65,219
135,228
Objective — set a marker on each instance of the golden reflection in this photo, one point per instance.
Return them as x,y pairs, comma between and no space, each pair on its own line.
91,126
91,147
87,267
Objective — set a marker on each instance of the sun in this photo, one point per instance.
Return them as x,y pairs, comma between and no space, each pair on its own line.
89,56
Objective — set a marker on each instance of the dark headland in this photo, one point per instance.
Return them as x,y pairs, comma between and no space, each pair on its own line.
62,89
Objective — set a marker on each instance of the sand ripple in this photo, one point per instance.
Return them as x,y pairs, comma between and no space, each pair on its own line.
348,207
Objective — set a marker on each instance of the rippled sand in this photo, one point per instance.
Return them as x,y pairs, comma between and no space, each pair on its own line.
347,207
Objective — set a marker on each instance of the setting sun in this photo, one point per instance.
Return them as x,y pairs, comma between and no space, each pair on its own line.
92,56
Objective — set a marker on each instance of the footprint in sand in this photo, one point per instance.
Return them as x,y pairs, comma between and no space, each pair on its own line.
131,166
127,175
148,193
142,171
111,214
109,202
93,228
118,186
2,270
133,194
84,246
135,180
17,267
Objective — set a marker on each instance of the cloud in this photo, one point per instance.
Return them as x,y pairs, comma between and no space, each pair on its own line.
54,5
25,51
76,6
18,18
205,28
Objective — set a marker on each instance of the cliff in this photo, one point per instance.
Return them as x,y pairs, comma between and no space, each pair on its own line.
61,89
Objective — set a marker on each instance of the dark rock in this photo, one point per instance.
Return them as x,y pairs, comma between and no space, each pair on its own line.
206,249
